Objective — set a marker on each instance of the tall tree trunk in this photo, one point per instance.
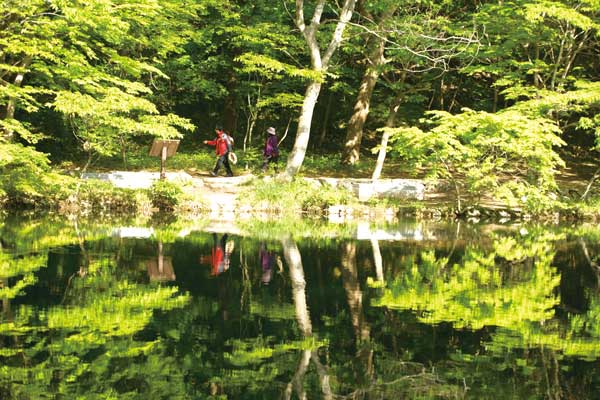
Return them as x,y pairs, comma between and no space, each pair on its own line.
11,106
376,59
390,123
318,64
354,133
298,152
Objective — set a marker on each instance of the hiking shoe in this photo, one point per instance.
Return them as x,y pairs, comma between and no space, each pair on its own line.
213,173
229,175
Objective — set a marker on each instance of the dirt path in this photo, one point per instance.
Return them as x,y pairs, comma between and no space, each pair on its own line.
221,193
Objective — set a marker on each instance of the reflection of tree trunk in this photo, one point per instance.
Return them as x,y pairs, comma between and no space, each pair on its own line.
594,265
161,258
83,267
377,259
454,243
353,292
294,260
246,297
298,380
552,375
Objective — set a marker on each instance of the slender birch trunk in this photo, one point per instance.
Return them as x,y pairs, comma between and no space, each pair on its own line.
390,123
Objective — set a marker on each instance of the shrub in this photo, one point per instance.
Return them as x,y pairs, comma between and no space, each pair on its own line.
165,195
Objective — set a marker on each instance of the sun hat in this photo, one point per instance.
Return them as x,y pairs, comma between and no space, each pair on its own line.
232,157
271,131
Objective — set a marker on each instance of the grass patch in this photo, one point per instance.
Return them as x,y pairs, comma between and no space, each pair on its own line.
294,197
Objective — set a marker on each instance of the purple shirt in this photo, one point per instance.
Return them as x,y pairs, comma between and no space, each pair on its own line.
271,147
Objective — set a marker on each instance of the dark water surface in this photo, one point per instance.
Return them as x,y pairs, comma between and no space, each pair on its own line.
276,310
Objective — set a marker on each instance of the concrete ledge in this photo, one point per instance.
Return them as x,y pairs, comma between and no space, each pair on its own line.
405,189
365,189
135,179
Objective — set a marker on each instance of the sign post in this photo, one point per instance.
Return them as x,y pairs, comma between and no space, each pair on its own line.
163,149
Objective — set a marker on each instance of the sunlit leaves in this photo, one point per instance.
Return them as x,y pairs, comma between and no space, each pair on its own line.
539,10
480,151
95,63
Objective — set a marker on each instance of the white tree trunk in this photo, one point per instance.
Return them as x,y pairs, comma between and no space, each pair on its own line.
377,259
296,157
294,261
319,64
390,123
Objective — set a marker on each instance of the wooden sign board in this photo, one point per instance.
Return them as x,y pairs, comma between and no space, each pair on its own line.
158,144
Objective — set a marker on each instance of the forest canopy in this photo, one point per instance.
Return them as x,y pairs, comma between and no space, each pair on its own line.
439,85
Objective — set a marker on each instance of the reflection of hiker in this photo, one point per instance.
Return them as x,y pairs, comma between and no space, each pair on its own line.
268,260
220,255
223,144
271,150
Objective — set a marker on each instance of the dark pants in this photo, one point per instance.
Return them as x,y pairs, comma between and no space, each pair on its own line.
223,161
269,160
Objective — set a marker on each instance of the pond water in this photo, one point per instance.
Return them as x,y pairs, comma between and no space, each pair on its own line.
304,309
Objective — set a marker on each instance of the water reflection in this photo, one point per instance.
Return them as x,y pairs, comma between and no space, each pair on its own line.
220,254
310,312
160,269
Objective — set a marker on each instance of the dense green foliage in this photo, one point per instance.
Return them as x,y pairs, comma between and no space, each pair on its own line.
498,85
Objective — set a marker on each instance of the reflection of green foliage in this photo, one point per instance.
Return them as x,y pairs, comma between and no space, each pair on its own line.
298,228
10,267
111,309
474,293
590,322
296,196
86,347
511,288
23,267
275,311
258,350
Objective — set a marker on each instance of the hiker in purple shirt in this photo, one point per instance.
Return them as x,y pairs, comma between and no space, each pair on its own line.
271,151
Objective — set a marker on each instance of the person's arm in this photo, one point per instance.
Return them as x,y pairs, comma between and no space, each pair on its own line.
211,142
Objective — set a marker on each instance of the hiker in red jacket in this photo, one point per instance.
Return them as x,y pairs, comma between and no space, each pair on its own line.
222,145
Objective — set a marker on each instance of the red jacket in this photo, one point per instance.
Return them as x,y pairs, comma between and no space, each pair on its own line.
220,144
217,261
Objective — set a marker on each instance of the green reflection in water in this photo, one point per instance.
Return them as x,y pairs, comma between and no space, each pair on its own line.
89,312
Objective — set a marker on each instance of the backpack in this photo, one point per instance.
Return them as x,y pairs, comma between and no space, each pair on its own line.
228,140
